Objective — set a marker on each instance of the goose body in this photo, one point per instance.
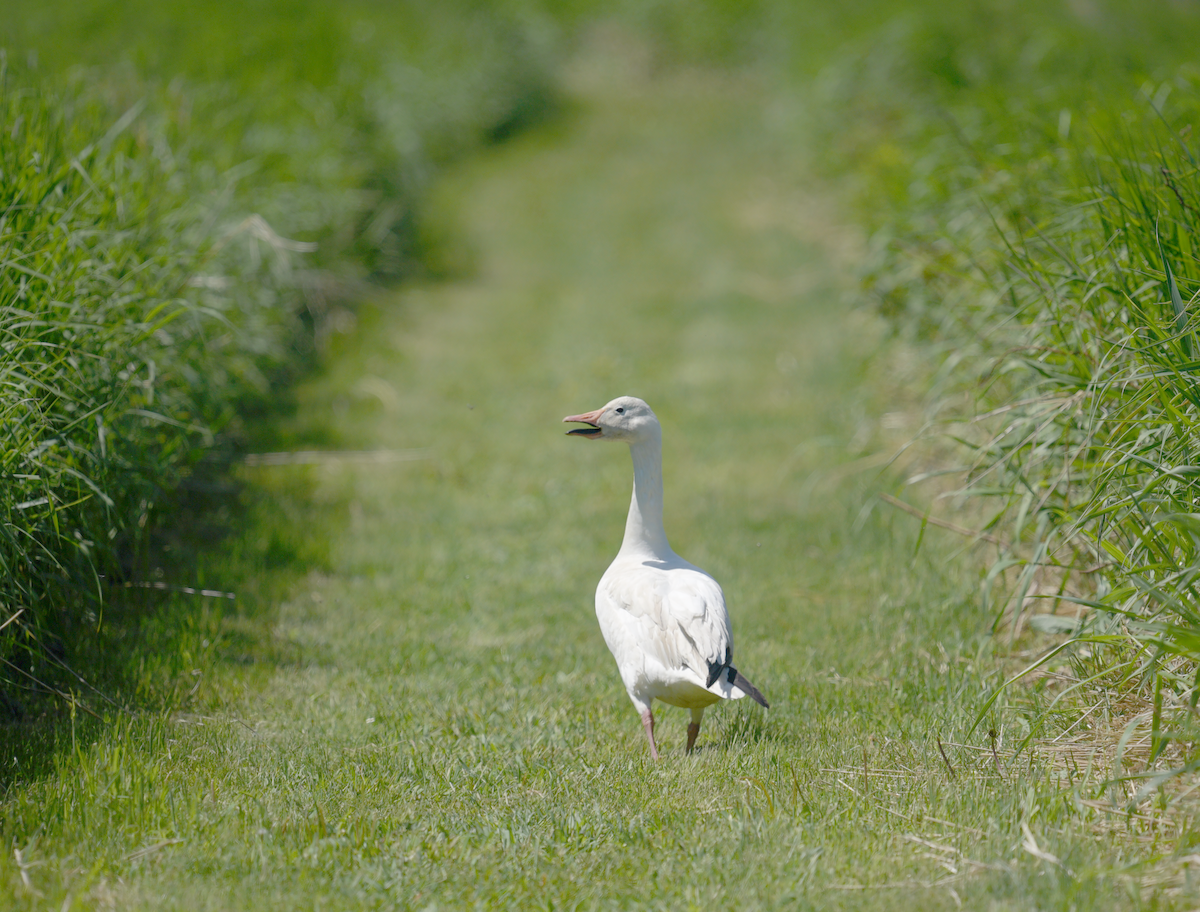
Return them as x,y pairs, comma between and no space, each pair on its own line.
664,619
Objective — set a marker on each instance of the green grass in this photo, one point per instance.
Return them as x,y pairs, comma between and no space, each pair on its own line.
189,202
410,704
1032,182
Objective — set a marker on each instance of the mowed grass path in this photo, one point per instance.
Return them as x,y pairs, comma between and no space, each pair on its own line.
442,726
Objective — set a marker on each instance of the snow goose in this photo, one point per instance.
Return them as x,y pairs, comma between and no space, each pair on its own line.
663,619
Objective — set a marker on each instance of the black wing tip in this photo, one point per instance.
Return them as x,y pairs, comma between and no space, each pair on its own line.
750,690
714,672
716,669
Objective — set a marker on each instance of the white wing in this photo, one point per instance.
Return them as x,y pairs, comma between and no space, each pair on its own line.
672,617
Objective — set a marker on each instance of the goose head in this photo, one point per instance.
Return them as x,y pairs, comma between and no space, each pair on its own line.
626,418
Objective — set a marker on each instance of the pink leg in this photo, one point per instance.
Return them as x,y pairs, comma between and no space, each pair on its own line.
694,728
648,725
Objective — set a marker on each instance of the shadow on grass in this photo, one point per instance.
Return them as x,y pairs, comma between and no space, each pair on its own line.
746,729
169,629
166,626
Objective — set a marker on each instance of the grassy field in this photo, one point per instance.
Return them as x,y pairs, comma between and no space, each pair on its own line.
410,705
191,200
1031,179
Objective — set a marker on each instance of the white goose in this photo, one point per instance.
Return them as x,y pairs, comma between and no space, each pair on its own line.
664,619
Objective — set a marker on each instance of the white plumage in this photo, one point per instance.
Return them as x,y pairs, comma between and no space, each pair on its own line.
664,620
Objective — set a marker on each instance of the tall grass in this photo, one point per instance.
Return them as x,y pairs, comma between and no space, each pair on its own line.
1033,182
184,210
208,182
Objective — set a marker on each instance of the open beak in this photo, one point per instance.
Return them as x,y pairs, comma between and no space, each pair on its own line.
589,418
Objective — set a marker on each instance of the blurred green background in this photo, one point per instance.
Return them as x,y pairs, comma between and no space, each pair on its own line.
357,226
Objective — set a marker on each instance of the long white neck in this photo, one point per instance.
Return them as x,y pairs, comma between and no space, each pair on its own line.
644,533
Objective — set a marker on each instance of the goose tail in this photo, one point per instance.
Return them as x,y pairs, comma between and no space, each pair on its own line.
740,682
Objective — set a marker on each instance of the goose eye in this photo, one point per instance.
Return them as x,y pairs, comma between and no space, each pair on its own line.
621,411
